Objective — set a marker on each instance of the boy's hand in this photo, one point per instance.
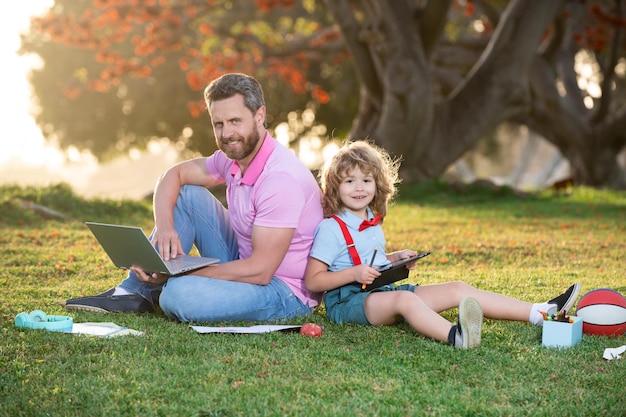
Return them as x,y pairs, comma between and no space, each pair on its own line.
405,254
365,274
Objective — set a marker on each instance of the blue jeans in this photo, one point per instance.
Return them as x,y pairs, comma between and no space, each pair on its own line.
201,220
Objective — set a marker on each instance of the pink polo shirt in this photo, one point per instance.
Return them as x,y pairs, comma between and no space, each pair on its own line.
276,191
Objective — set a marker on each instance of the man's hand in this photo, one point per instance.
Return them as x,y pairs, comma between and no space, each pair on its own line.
153,278
166,240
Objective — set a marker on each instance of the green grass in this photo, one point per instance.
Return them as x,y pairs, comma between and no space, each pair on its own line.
529,248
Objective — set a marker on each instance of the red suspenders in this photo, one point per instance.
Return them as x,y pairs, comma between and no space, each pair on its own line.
356,260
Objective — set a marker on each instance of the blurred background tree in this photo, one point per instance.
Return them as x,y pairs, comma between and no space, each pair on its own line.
425,79
118,74
557,67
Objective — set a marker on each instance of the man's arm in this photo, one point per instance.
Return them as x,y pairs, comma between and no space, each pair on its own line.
191,172
269,246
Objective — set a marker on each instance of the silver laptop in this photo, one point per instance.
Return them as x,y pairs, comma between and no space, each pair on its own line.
128,246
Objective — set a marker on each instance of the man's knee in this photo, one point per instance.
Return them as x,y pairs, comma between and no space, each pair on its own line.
193,191
170,302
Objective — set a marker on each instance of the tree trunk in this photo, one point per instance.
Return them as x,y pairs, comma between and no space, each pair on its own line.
399,109
589,138
402,109
597,169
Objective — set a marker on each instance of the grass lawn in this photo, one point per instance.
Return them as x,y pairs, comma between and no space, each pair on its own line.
530,248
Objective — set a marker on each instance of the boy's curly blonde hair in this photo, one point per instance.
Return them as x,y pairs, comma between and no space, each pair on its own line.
370,159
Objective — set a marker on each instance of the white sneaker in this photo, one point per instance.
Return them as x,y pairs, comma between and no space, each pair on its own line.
470,323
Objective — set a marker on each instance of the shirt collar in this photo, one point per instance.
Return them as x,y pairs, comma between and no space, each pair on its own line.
352,220
258,163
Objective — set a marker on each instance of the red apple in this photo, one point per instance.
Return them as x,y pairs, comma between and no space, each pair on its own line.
311,330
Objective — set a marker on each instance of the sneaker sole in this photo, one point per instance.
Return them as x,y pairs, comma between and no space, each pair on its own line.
471,320
92,309
572,298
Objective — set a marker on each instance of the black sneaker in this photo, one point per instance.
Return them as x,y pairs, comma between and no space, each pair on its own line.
470,325
106,302
565,301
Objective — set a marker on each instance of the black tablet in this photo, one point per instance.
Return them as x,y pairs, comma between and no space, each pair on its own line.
396,272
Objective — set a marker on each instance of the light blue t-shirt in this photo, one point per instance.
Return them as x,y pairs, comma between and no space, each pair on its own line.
330,247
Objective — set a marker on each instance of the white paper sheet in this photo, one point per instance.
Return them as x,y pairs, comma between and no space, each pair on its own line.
103,330
616,353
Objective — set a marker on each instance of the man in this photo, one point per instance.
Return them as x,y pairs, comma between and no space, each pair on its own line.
262,240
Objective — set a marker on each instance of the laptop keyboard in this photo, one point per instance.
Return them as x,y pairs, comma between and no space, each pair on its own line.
184,262
177,263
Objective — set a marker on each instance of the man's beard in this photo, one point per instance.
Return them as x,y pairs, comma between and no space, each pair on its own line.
248,144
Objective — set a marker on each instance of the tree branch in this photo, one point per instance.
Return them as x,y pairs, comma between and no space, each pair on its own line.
431,22
608,72
564,62
496,88
350,29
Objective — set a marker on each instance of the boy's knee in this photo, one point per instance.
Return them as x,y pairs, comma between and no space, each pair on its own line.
406,297
460,289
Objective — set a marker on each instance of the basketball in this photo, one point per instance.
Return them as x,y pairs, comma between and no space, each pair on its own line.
603,312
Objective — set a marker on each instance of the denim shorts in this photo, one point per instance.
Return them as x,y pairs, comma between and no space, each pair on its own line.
347,304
